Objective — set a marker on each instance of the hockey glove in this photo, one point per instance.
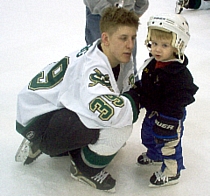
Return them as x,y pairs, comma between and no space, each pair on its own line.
166,129
133,97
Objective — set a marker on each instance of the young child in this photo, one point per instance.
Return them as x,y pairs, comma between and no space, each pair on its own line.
166,89
192,4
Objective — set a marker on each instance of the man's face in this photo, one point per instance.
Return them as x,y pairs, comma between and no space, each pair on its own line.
120,45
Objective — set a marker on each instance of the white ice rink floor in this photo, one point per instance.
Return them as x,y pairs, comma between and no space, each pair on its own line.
36,33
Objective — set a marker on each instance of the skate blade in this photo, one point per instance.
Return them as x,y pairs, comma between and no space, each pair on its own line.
178,8
165,184
23,151
88,182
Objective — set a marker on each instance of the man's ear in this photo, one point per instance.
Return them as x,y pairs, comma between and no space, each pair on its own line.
105,38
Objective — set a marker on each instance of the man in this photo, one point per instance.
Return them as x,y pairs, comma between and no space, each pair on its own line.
84,104
94,9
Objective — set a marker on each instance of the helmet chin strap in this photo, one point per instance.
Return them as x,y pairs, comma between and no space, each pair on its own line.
180,57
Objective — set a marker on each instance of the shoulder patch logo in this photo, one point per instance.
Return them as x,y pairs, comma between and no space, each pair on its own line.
99,78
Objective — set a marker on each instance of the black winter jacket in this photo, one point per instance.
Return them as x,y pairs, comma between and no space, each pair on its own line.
167,90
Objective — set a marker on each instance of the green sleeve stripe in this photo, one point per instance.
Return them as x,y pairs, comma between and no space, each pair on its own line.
135,113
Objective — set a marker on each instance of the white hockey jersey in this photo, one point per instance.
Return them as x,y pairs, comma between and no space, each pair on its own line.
82,82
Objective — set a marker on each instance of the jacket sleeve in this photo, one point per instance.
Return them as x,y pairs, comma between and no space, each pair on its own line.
141,6
97,6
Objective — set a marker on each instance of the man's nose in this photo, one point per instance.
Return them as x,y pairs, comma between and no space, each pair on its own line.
130,43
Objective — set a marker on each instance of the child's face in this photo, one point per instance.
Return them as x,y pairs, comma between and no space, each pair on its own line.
162,49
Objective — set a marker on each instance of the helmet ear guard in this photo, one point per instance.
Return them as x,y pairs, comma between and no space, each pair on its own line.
174,23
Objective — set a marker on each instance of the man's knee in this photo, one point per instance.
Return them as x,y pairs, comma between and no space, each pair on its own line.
66,132
111,140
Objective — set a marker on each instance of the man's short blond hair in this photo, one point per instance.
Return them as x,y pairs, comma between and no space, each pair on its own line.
113,17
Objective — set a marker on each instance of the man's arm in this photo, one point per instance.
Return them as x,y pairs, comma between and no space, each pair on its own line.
97,6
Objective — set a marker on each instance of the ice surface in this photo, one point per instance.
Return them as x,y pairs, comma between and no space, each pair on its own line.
35,33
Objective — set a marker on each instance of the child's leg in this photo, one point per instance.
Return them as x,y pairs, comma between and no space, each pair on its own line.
172,154
153,149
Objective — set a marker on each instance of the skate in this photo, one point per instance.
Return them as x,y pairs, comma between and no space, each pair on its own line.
27,152
143,159
101,181
180,4
159,179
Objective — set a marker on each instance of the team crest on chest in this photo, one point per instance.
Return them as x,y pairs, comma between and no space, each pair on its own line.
99,78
